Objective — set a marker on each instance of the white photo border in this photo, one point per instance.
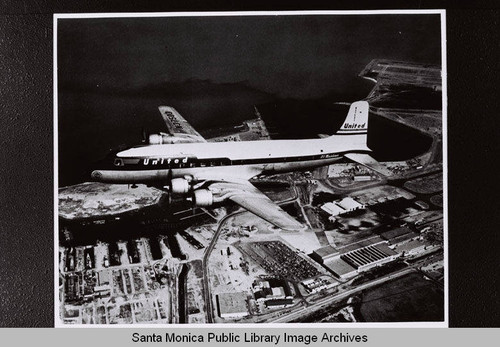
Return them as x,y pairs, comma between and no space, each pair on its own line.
444,324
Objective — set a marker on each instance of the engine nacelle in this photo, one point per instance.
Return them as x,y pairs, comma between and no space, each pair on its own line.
155,139
203,197
161,138
179,186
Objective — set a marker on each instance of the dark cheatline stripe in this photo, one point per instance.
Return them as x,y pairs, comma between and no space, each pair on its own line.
351,133
352,130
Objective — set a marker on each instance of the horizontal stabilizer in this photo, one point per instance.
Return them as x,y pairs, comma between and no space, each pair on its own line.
369,162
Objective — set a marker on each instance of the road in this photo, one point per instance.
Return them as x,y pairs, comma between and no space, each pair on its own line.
208,251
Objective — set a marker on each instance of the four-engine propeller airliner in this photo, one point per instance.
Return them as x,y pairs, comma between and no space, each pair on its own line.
211,172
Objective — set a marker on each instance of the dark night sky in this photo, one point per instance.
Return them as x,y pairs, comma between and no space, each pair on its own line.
289,56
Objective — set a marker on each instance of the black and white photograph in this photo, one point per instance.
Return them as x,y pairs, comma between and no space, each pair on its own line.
250,168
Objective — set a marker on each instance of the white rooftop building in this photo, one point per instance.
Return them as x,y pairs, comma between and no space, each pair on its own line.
349,204
341,206
278,292
232,305
332,209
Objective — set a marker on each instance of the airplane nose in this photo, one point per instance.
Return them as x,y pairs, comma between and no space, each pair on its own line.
96,175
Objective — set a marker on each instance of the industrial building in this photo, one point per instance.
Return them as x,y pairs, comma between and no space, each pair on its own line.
340,268
332,209
103,288
367,257
232,305
352,259
349,204
362,178
395,236
406,242
279,303
340,207
272,289
323,254
316,285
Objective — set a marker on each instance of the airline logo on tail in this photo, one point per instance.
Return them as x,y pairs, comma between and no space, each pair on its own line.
354,126
356,121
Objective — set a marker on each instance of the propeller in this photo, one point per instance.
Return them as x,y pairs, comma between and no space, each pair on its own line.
145,135
169,192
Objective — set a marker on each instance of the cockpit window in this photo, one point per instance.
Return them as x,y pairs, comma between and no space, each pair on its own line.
118,162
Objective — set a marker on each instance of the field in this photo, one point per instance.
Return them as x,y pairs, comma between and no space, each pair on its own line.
425,122
194,295
231,271
409,299
437,200
426,185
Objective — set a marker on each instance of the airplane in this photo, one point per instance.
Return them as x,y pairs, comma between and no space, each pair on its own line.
211,172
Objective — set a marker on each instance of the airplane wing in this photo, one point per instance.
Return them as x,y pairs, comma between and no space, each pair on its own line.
249,197
369,162
178,126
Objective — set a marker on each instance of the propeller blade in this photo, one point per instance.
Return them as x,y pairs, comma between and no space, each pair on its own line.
145,135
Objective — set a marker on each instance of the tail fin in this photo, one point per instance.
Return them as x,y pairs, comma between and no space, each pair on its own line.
356,126
356,122
354,132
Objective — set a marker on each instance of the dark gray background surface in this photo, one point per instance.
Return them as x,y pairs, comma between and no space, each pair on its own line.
26,201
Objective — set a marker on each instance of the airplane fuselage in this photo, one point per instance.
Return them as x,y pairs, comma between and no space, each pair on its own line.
239,160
